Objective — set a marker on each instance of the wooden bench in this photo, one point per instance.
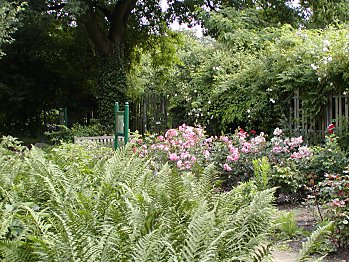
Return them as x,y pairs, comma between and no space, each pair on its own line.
107,141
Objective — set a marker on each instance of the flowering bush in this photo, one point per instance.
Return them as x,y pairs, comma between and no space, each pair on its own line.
188,149
333,194
185,148
326,159
329,186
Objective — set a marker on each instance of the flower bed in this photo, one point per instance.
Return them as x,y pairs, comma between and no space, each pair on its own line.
187,148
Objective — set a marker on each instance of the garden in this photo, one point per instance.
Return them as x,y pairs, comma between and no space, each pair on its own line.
239,134
180,196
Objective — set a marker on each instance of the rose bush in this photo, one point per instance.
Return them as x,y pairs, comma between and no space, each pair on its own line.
187,148
332,195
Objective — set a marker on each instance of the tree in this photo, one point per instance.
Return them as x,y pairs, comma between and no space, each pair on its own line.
322,13
249,15
9,21
48,66
116,28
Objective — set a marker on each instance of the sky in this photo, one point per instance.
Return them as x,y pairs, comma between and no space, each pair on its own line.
176,26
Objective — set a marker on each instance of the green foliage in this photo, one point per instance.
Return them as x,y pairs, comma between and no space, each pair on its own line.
327,159
262,172
62,133
111,87
9,143
286,226
248,77
50,65
308,60
322,13
318,240
341,133
119,210
289,178
9,21
332,194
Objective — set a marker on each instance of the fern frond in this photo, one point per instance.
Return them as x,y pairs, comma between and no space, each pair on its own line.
203,187
200,233
150,247
308,246
261,252
15,251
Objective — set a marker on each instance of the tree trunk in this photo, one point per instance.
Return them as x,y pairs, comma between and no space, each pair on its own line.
111,86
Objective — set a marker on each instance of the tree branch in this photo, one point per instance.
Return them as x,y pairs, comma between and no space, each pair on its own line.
105,11
97,36
119,20
56,7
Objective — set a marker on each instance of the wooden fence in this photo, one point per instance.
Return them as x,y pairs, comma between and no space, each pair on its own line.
149,114
335,111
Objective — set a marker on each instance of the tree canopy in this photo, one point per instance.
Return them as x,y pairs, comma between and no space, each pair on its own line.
87,54
247,77
9,21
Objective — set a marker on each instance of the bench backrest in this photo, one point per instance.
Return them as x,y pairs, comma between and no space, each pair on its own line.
104,140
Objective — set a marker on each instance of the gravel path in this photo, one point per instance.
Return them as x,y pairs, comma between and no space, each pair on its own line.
284,256
306,218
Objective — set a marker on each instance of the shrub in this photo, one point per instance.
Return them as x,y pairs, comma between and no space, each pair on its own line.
60,133
333,194
286,226
326,159
187,148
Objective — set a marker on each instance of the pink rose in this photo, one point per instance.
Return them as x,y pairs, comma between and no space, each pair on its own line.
226,167
173,157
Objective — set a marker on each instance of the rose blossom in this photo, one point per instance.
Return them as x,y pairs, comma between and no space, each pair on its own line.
226,167
338,203
173,157
171,133
277,132
224,138
277,149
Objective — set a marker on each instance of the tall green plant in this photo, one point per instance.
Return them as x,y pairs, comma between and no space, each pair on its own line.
262,172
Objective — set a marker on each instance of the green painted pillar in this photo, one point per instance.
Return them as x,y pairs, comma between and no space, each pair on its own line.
126,122
116,142
65,117
121,124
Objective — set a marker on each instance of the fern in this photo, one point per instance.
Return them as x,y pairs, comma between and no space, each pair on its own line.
205,184
15,251
308,246
69,207
199,233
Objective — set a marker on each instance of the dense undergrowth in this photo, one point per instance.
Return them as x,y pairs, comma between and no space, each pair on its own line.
88,203
80,204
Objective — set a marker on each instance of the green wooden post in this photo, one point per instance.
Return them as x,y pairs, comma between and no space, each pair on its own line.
116,109
126,121
65,117
121,124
